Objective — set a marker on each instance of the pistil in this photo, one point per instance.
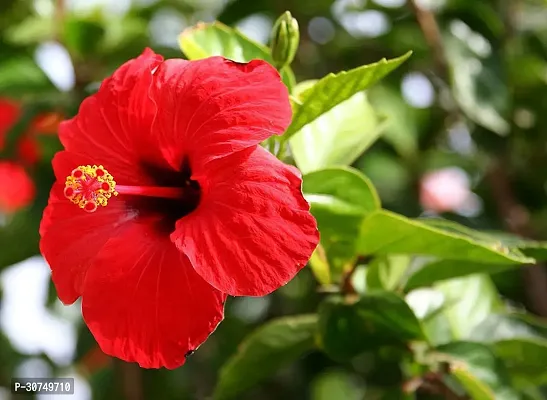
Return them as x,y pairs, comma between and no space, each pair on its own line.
92,186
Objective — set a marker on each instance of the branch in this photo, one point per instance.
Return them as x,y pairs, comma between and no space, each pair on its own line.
59,19
130,376
433,383
430,29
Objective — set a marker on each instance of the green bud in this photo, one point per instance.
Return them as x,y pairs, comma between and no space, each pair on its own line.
285,39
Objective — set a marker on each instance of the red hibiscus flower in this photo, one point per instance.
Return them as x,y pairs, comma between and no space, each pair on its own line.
165,203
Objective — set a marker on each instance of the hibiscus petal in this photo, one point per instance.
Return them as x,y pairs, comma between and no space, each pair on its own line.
113,125
253,230
214,107
144,303
70,237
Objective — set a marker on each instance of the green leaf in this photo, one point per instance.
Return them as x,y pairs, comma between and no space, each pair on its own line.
384,232
499,327
334,89
525,360
216,39
442,270
21,230
469,301
342,190
340,198
20,76
82,36
320,266
477,368
477,84
452,310
377,319
473,386
531,248
270,347
31,31
386,272
338,137
335,385
521,342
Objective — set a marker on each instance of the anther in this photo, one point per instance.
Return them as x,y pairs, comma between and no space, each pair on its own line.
90,187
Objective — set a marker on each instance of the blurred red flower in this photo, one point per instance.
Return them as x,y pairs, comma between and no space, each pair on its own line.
10,112
16,187
183,205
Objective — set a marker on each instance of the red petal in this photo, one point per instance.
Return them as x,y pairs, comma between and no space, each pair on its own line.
16,187
214,107
113,123
144,303
253,230
71,238
9,114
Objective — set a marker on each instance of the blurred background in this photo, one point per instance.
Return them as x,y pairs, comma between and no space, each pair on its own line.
465,138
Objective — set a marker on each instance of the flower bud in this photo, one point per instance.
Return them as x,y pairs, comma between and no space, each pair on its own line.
285,39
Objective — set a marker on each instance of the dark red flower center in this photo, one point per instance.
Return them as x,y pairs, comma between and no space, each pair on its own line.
176,195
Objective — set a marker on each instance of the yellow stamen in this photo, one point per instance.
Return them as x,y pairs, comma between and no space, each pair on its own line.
89,187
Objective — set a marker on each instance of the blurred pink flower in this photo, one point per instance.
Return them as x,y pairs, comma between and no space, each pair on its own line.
445,190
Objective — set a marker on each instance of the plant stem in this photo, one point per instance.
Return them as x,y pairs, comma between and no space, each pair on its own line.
131,380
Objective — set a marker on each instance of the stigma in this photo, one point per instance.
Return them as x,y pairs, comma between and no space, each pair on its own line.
90,187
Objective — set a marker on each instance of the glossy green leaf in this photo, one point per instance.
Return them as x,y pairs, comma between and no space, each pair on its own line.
335,385
340,198
31,31
530,248
520,341
469,301
83,37
477,84
319,265
386,272
334,89
498,327
441,270
384,232
342,190
525,360
269,348
377,319
20,76
338,137
473,386
216,39
429,305
453,309
478,369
